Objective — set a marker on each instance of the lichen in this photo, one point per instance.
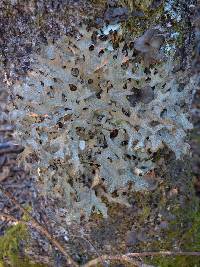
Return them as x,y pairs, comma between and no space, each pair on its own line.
87,90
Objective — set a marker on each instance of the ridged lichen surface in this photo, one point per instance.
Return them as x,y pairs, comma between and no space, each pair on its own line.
91,116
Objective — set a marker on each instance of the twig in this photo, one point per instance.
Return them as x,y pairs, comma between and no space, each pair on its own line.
117,258
92,245
128,257
85,239
12,218
100,259
164,253
40,228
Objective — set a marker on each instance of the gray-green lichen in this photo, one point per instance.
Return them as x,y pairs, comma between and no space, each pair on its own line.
91,117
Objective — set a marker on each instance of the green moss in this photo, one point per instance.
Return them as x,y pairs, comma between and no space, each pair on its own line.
139,4
26,216
10,247
145,19
183,232
181,261
195,136
10,242
145,213
188,241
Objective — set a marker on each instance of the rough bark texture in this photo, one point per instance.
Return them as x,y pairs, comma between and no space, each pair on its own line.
164,218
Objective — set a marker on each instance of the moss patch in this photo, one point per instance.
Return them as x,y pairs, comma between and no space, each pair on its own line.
11,244
183,233
142,17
